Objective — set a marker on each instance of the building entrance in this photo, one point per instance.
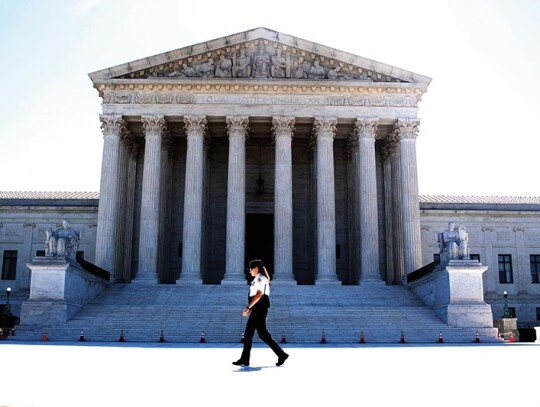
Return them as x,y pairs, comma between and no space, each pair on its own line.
260,239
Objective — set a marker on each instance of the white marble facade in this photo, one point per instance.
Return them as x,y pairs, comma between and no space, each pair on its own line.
213,137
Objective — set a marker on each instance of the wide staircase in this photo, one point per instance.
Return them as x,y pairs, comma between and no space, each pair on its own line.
370,312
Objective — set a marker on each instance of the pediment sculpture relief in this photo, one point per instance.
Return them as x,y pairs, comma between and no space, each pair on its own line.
261,60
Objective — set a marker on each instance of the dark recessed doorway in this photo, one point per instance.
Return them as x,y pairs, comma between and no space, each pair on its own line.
260,239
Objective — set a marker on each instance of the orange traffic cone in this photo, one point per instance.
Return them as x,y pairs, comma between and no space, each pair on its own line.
203,339
512,339
81,336
323,337
44,335
242,337
477,339
122,338
283,340
361,340
402,338
441,339
161,336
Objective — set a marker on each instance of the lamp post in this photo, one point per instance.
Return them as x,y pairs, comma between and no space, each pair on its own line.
506,313
7,310
8,307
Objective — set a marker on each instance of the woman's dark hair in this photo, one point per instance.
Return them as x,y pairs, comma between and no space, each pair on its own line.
256,263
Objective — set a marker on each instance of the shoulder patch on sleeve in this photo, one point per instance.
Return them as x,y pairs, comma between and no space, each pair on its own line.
259,279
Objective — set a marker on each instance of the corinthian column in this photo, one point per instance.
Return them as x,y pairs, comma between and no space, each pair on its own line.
106,245
237,127
131,176
353,168
369,229
153,127
407,131
325,130
121,194
388,218
397,213
283,128
193,200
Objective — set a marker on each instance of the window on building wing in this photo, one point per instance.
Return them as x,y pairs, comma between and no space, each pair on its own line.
535,268
9,265
506,275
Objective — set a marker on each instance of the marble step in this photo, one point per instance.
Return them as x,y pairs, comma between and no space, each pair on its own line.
300,312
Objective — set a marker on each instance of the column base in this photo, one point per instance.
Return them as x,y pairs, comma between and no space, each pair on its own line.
327,280
283,281
370,280
234,281
189,280
145,279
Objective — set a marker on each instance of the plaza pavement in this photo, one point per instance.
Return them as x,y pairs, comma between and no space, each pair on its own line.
80,374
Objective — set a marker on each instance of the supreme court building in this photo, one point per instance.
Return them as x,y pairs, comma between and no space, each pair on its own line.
263,145
258,144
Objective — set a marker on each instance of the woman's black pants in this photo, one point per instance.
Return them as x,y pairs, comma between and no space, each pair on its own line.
257,322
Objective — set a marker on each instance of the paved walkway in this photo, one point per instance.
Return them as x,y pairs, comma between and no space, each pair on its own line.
80,374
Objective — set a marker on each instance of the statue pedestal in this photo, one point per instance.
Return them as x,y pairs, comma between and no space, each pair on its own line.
455,292
59,288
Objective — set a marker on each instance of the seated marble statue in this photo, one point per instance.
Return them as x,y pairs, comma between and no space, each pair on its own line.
63,241
453,243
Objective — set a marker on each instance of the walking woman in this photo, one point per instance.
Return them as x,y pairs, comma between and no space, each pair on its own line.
257,310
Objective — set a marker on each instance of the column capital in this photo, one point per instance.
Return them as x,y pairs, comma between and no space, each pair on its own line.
237,126
168,143
407,129
325,126
392,142
352,144
153,124
283,125
366,127
128,139
385,152
196,125
112,124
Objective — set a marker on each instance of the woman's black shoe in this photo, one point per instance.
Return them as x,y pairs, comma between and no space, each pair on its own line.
240,362
282,359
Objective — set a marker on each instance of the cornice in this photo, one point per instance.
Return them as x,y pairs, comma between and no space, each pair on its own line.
258,86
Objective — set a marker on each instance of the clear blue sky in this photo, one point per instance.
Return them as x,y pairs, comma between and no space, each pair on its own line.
479,132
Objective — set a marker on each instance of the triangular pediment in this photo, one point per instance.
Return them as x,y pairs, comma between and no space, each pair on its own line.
259,54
